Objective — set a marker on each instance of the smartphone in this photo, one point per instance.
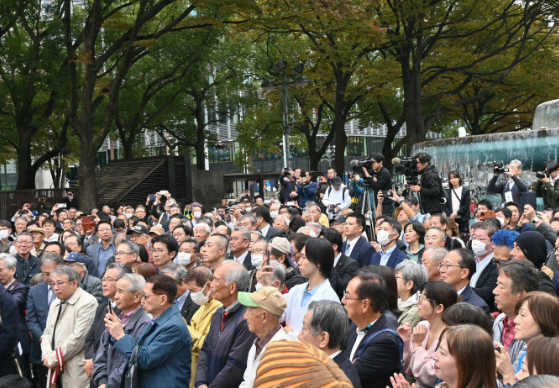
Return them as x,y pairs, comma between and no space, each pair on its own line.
61,205
265,262
110,308
290,203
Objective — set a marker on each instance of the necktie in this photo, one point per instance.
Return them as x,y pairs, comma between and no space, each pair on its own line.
347,247
56,323
223,321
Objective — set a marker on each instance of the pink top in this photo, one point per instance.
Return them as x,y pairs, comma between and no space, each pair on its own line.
419,363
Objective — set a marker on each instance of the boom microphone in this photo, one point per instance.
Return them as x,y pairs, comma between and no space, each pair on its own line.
354,163
396,161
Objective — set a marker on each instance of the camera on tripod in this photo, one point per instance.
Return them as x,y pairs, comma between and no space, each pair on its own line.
358,164
407,167
499,167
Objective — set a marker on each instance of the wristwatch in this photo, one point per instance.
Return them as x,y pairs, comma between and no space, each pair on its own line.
536,220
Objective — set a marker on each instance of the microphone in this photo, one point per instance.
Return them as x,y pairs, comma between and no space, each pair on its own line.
396,160
354,163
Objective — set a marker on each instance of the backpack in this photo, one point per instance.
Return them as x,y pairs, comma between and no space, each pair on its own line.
330,189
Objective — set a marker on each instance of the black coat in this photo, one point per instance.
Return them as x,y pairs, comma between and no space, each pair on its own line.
8,331
343,272
347,367
464,210
293,277
274,232
97,329
431,191
247,263
486,283
189,308
500,187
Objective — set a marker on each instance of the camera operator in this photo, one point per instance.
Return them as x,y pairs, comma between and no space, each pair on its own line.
430,188
288,180
510,189
547,185
336,198
380,180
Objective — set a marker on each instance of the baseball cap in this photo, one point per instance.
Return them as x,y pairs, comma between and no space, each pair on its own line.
157,229
268,298
138,229
336,181
75,257
339,219
39,230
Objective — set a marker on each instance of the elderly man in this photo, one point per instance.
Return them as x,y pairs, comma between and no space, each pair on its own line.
164,347
202,231
104,249
89,283
214,251
282,222
113,272
248,222
73,243
38,244
223,358
432,257
69,320
435,236
8,334
263,224
457,269
127,253
27,264
109,364
264,309
511,188
38,302
239,246
326,326
19,294
485,279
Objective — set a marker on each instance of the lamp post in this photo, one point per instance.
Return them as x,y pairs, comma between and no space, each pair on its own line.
298,81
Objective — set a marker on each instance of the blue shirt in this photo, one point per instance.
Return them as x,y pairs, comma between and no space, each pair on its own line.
181,299
308,294
104,255
384,256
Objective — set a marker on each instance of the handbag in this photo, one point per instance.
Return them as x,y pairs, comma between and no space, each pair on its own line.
13,355
131,375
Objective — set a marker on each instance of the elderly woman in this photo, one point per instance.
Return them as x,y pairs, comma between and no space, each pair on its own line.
410,278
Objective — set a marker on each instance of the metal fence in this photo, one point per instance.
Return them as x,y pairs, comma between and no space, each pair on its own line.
12,201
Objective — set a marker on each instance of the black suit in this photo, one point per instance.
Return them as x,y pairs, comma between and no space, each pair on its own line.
274,232
361,252
345,365
486,283
247,263
189,308
381,358
469,296
343,272
502,187
97,329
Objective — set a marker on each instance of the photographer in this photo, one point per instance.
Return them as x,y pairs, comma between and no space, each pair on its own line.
305,189
510,189
381,179
430,188
336,198
288,183
547,186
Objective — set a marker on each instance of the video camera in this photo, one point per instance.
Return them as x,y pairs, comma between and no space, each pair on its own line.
358,164
499,167
407,168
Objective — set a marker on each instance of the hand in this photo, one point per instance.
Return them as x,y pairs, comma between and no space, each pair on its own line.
288,328
88,367
529,212
266,275
102,386
113,324
504,366
395,196
453,215
47,365
419,334
375,245
366,173
356,178
168,195
55,207
293,194
399,381
523,220
415,188
307,217
544,180
405,331
380,197
321,195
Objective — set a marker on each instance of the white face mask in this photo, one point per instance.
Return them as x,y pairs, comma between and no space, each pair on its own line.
383,237
184,258
502,221
4,234
199,298
248,209
478,247
128,215
257,260
13,251
197,214
274,214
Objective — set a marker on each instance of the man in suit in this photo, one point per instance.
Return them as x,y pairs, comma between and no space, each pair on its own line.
374,353
263,223
344,267
70,318
484,280
355,246
8,333
326,326
165,346
512,188
457,269
113,272
185,304
104,249
387,235
38,302
239,246
19,294
27,264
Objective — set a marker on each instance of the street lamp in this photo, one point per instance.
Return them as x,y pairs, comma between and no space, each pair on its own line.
298,81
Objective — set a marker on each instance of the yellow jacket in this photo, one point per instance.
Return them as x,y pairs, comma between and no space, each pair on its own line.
323,220
199,328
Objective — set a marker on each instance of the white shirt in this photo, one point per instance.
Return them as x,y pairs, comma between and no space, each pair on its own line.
360,336
351,244
265,230
333,355
459,292
456,201
241,259
480,266
336,259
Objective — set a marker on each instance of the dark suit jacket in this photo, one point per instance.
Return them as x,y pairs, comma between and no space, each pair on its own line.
343,272
37,313
19,294
469,296
343,362
97,329
8,333
274,232
247,263
500,187
189,308
381,358
486,283
362,251
396,257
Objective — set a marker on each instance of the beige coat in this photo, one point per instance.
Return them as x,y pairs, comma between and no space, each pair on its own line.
75,321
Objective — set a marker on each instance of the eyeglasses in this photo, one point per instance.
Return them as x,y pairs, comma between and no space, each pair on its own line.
122,253
422,298
59,284
447,266
346,297
107,280
25,242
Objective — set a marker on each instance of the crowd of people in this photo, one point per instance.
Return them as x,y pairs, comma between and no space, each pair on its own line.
302,291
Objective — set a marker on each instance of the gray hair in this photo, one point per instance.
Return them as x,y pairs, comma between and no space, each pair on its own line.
179,274
279,272
134,248
437,254
258,234
311,232
284,218
238,275
249,217
51,258
245,232
517,162
9,261
414,272
315,226
122,269
439,231
137,282
330,317
205,226
70,273
24,234
23,219
169,268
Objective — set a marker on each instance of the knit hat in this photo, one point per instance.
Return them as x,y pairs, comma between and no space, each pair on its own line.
534,247
297,364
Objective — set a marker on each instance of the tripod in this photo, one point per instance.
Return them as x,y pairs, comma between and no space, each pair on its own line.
368,211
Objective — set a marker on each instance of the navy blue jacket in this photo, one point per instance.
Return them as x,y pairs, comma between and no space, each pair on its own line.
361,252
396,257
37,313
343,362
469,296
223,356
306,193
8,331
164,356
19,293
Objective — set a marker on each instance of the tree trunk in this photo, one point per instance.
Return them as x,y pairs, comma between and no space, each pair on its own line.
127,147
87,180
25,169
